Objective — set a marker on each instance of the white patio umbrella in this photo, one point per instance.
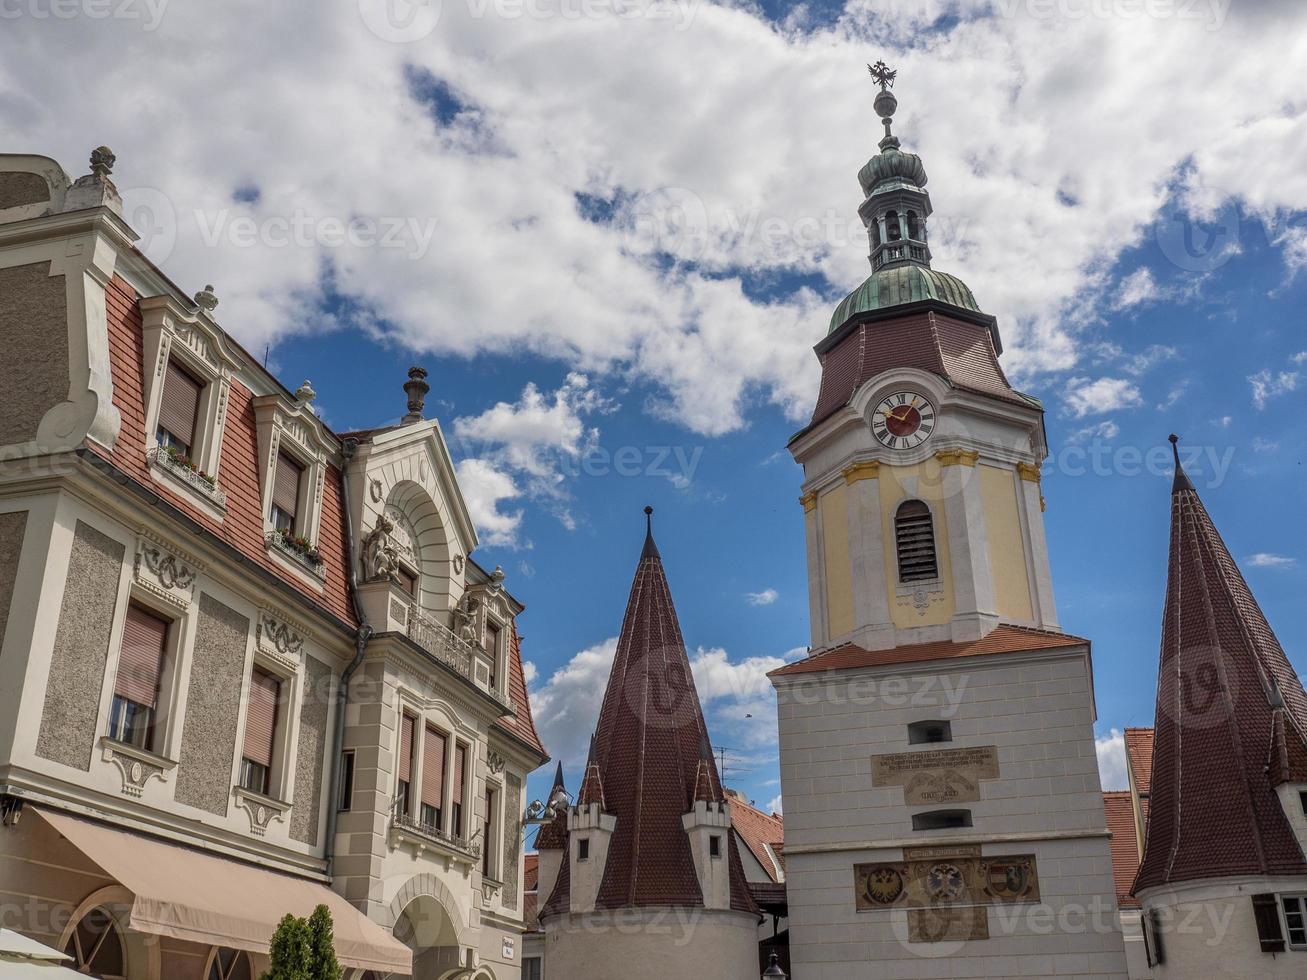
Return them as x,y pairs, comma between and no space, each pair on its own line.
26,959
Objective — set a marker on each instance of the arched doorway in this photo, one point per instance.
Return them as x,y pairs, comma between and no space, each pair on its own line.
228,964
427,928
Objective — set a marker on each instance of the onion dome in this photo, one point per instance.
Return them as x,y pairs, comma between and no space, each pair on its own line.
899,285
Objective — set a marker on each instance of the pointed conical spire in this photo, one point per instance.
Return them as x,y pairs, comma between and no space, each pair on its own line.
706,787
1213,808
647,753
553,835
592,785
1181,481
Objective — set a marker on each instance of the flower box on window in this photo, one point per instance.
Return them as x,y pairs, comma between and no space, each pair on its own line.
297,547
169,459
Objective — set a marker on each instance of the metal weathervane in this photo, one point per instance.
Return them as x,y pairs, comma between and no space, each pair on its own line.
883,74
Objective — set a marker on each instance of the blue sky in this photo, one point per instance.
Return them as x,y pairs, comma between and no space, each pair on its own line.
613,231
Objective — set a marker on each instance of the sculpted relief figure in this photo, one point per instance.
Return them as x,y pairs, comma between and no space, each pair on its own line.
380,557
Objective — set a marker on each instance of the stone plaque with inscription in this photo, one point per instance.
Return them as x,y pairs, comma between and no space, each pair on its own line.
937,776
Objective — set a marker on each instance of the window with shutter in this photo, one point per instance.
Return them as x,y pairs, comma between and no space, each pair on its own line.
407,581
285,493
433,778
914,539
406,727
136,685
460,764
178,406
260,732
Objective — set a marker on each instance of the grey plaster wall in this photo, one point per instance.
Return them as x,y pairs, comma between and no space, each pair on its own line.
12,528
34,369
309,756
212,707
17,189
81,649
512,829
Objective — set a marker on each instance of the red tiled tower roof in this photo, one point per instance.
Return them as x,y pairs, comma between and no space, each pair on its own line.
553,835
1139,750
1119,810
647,752
1213,807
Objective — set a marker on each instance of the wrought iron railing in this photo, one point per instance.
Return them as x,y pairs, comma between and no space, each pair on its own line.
159,456
447,647
403,821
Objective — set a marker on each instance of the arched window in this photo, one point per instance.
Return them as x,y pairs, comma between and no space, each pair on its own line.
96,947
913,229
228,964
875,234
914,538
892,226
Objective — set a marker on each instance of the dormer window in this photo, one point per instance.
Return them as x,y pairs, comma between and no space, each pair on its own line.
285,494
492,648
178,409
914,539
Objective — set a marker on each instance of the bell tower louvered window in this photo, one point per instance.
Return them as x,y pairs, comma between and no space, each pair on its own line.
914,539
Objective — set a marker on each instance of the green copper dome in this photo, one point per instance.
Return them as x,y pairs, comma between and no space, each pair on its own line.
892,165
903,284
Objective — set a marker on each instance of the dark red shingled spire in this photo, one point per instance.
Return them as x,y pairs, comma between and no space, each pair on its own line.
1231,716
553,835
647,756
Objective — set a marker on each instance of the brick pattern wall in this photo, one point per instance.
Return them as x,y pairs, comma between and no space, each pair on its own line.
212,707
81,649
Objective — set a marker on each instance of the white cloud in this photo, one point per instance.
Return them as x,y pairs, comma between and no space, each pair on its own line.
1261,445
764,598
1267,385
1148,358
1265,559
1025,169
1085,397
1137,288
566,705
1174,395
1111,760
774,806
1102,432
522,449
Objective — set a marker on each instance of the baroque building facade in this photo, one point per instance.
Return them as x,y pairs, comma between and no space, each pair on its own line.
248,663
943,807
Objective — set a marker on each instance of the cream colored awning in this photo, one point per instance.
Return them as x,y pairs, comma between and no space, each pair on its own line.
190,895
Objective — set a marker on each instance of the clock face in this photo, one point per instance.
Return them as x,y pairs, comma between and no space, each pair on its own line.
904,420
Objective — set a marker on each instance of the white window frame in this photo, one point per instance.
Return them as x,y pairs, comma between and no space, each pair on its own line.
289,426
1301,899
194,341
281,774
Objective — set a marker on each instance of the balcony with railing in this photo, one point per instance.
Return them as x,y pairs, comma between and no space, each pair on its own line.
425,836
451,650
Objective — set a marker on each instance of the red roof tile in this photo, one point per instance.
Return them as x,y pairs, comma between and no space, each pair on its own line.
958,350
758,830
238,473
521,724
1213,808
1119,809
647,748
530,872
1139,753
1003,639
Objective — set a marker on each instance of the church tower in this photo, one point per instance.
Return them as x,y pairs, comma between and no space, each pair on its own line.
943,810
648,881
921,495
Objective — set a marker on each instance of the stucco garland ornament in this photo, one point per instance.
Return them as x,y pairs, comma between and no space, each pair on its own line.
374,488
380,556
458,564
171,573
